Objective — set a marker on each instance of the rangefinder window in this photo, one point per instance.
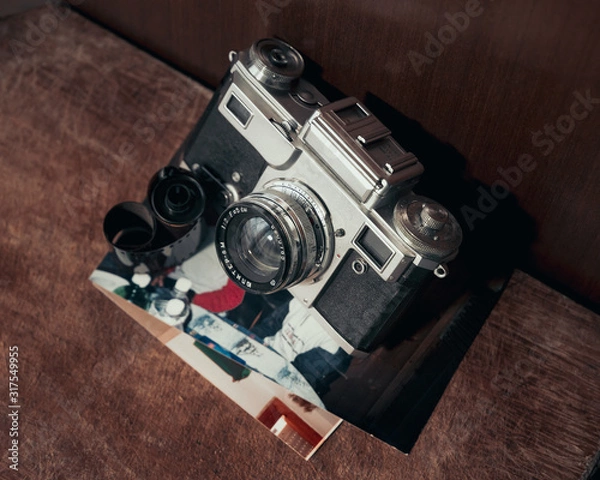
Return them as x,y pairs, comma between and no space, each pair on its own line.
377,251
239,110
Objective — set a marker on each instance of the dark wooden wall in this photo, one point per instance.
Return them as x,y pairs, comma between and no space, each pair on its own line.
507,91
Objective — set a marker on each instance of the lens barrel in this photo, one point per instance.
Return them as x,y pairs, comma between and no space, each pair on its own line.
273,239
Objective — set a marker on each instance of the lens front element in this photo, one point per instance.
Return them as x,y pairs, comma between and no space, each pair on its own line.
258,248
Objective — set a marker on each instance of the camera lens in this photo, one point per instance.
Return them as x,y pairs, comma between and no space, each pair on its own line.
275,63
275,238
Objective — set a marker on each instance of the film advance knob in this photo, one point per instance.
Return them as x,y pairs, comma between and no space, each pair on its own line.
427,227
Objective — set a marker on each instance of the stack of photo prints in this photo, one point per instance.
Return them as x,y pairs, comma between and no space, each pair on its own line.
270,356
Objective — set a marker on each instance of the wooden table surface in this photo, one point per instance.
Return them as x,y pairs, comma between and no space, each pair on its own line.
85,119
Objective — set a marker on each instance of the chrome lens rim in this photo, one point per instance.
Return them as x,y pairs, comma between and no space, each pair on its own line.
298,244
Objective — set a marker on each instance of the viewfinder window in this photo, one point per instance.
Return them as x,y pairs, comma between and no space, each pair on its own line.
374,247
239,110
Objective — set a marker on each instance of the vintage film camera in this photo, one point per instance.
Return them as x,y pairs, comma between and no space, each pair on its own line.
313,197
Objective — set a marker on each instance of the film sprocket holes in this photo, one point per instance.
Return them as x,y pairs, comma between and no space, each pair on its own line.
311,196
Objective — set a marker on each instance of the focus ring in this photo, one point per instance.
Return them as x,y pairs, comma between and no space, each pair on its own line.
316,213
301,232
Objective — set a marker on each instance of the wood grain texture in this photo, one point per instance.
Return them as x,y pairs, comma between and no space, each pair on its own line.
85,119
512,71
